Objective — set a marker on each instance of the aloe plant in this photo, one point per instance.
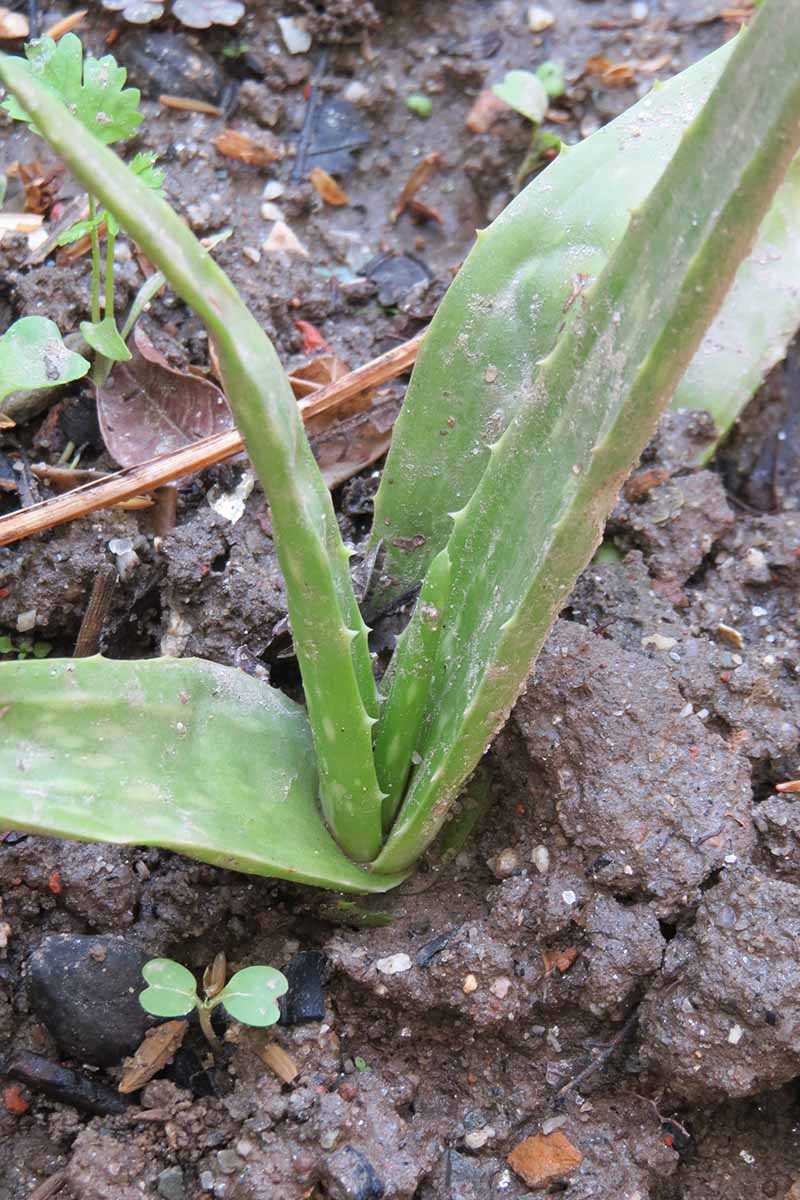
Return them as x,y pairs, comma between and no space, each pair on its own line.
535,394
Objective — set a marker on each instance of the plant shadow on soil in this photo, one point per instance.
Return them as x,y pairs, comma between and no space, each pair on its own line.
637,859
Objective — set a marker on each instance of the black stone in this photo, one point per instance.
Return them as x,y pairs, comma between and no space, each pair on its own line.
168,62
337,130
305,999
349,1175
395,276
85,990
64,1085
432,948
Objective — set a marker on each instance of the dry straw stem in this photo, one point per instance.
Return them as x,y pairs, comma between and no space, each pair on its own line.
146,477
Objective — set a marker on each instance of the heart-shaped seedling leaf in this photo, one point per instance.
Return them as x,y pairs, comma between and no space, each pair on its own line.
105,339
32,355
251,995
526,93
172,991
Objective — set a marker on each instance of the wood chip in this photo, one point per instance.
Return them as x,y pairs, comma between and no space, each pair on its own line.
793,785
13,25
419,176
610,74
66,25
155,1052
328,188
281,240
544,1158
234,144
730,635
20,222
485,111
277,1059
188,104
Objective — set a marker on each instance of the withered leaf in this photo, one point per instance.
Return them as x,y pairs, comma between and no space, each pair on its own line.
235,144
327,187
146,408
155,1052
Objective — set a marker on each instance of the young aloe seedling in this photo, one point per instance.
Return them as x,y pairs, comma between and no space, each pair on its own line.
250,996
539,383
94,92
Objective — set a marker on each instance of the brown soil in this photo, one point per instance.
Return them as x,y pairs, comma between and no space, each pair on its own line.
613,955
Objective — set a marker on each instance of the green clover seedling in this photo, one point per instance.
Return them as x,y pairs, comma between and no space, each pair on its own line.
250,996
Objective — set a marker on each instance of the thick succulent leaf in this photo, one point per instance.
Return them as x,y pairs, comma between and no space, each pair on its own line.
93,90
171,990
178,753
329,632
506,306
32,355
251,995
538,512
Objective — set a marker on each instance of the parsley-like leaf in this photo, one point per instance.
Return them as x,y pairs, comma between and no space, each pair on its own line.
93,89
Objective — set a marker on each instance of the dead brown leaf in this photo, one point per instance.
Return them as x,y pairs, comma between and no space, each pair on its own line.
41,184
559,960
234,144
277,1059
316,373
608,73
155,1052
147,408
328,188
544,1158
419,176
350,445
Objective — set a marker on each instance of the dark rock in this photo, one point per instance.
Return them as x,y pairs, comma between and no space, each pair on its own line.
395,275
349,1175
432,948
169,1184
305,999
724,1019
64,1085
168,62
337,131
85,991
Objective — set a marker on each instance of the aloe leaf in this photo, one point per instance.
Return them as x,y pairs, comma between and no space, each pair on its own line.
178,753
537,514
400,722
251,995
172,990
504,310
329,633
32,355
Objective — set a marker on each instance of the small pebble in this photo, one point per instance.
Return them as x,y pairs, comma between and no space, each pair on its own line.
500,987
476,1139
540,857
26,621
639,11
272,190
505,864
356,92
569,896
735,1034
395,964
470,985
658,642
539,18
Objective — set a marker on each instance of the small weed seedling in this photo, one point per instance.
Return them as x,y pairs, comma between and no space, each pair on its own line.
94,92
250,996
33,355
529,93
530,403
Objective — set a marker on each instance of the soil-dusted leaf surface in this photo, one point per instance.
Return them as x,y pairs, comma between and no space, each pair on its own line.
146,407
638,859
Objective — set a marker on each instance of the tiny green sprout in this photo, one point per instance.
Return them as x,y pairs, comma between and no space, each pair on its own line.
420,106
360,1063
525,93
551,75
250,996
